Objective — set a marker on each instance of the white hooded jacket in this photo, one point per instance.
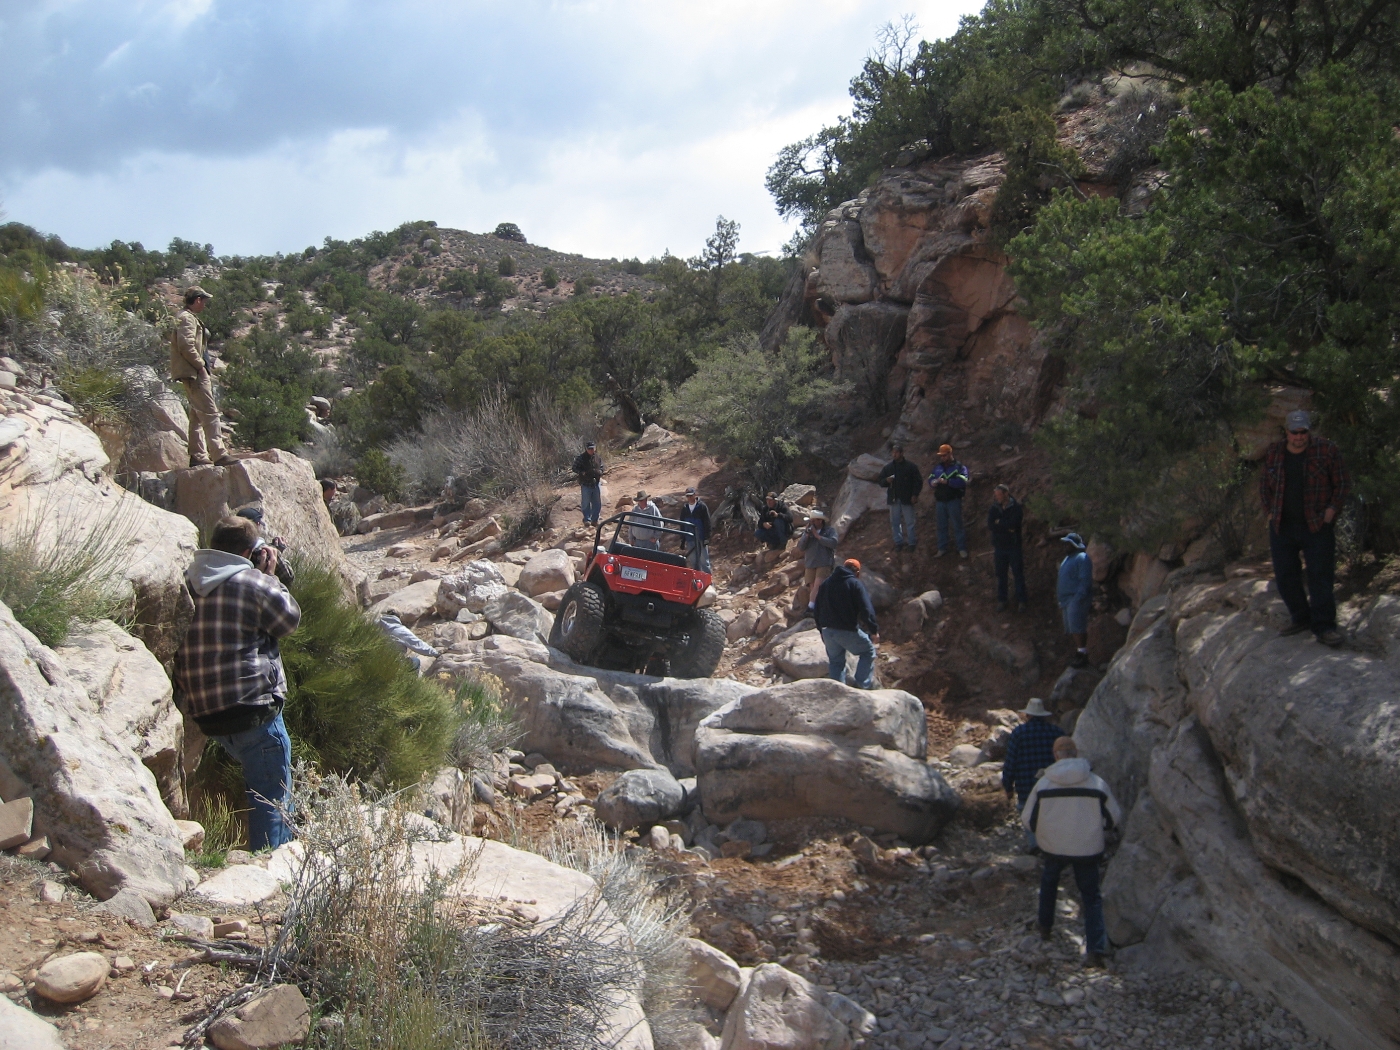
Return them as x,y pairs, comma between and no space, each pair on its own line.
1069,808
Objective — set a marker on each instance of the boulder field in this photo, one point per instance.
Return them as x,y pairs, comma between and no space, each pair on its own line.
1259,774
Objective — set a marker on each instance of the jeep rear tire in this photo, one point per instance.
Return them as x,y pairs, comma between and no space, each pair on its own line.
697,654
578,625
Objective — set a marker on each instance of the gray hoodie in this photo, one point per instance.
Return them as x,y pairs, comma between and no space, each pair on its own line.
211,568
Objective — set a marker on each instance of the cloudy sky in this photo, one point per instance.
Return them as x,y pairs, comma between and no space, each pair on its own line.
606,127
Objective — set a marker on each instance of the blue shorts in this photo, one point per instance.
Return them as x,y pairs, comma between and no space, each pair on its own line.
1076,614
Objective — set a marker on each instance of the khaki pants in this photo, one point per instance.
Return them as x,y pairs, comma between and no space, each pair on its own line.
204,420
811,579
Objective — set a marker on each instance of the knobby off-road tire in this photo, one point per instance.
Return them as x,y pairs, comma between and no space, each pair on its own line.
698,654
578,625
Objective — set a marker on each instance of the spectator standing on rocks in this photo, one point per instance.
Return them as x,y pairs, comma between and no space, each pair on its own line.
846,617
588,468
902,482
818,546
1068,811
774,523
1029,750
949,483
1303,486
1075,592
1004,518
190,364
640,535
229,672
697,516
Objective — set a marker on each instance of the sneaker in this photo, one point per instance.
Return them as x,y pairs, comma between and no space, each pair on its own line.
1331,637
899,548
1294,628
939,553
1001,607
1044,931
1095,961
962,554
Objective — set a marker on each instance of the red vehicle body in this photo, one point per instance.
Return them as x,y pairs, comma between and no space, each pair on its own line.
637,606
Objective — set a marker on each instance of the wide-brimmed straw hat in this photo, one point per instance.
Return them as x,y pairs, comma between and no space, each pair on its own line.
1036,708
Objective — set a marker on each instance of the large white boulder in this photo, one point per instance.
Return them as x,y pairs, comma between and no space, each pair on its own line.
551,570
285,486
519,616
470,587
93,798
802,655
128,689
780,1010
820,748
417,601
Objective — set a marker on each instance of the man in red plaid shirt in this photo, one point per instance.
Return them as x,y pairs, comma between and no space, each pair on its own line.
229,667
1302,486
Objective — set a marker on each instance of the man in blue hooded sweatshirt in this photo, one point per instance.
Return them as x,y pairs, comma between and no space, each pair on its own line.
1075,591
229,668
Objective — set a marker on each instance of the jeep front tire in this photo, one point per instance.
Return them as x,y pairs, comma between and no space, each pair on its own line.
578,625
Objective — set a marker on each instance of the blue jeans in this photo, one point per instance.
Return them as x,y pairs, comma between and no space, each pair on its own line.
949,516
1030,835
590,500
902,523
1316,605
1086,877
857,642
265,754
1013,560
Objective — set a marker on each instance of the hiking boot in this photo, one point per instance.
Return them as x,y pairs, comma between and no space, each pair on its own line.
1001,607
939,553
1095,961
202,461
225,461
1331,637
1079,660
1044,931
1294,628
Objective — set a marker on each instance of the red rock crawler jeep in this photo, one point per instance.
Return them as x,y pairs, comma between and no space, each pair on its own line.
637,609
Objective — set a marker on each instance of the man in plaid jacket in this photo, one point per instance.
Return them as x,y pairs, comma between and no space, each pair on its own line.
229,669
1302,487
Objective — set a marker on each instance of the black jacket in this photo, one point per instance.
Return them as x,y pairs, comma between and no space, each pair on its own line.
1005,525
843,603
903,480
698,517
589,468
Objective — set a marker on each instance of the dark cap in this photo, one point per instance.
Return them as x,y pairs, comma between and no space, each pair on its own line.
771,495
690,492
194,292
254,514
591,444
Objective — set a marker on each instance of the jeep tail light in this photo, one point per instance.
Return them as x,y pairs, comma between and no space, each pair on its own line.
697,584
609,566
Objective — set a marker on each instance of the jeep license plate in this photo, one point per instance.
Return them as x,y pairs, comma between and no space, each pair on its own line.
630,573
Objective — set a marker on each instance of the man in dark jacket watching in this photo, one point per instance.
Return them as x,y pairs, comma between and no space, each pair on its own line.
774,523
229,668
588,468
697,516
1303,486
902,482
1004,523
847,621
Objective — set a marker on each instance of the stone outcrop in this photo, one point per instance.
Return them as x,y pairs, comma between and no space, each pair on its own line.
779,1010
819,748
96,802
286,488
128,690
53,490
1258,770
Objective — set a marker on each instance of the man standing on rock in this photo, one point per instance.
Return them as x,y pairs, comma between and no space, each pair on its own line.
1303,486
588,467
189,363
1029,750
846,617
1068,811
949,483
902,482
818,546
774,523
1075,592
229,669
1004,523
697,516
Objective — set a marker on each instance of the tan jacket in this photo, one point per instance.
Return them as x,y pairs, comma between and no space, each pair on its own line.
187,346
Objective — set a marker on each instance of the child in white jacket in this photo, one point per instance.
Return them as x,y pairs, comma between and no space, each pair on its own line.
1068,811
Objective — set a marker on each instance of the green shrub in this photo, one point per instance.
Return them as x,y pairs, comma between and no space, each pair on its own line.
356,706
378,474
21,296
505,266
549,277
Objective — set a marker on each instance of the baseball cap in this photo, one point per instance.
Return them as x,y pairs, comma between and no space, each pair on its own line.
591,444
945,450
852,563
1298,420
195,290
690,491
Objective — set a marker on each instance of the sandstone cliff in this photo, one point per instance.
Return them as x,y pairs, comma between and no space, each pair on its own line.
1259,773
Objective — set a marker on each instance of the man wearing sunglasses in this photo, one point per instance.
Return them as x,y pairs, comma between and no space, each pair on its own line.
1303,486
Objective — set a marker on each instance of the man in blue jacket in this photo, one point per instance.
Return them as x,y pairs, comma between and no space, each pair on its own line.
846,617
1004,523
1075,592
949,483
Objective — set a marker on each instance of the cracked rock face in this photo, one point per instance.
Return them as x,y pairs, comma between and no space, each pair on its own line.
1257,771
